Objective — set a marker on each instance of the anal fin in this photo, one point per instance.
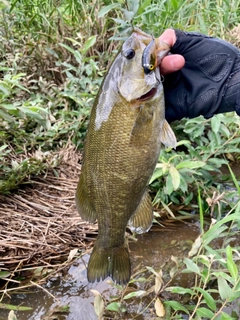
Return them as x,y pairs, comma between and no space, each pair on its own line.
141,220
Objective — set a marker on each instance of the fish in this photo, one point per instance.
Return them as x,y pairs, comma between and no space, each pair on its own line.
126,129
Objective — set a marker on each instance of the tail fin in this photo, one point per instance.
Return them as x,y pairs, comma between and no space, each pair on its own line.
113,262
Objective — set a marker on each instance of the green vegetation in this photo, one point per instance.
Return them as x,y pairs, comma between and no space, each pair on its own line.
203,147
54,55
213,275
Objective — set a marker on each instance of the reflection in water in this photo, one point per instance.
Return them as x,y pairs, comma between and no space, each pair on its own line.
152,249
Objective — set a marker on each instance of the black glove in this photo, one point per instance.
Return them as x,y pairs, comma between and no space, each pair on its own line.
208,84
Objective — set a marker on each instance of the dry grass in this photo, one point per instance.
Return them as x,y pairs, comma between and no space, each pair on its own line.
39,225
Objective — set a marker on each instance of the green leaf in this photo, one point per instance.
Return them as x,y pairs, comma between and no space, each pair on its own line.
156,175
21,87
76,53
192,266
4,274
224,289
183,142
190,164
169,185
195,131
231,264
201,213
234,141
204,260
180,290
225,131
144,5
13,307
133,5
204,312
224,275
108,8
176,306
134,294
211,233
218,228
128,15
175,177
3,147
114,306
215,124
218,162
208,298
184,187
153,271
6,116
89,43
225,316
28,112
4,89
235,296
119,21
234,179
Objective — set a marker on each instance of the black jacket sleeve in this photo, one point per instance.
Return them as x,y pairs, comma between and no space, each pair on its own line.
209,83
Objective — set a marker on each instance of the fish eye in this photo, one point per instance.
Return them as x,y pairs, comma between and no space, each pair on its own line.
129,54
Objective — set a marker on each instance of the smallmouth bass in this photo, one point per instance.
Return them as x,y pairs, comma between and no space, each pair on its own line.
126,128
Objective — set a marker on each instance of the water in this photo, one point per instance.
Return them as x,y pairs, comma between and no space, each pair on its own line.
71,288
154,248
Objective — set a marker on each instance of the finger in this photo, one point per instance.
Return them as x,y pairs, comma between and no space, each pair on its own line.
172,63
169,37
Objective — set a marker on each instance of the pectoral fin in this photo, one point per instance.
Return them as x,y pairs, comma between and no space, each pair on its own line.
83,202
167,136
141,221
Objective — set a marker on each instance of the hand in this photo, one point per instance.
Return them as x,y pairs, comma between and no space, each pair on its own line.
202,75
173,62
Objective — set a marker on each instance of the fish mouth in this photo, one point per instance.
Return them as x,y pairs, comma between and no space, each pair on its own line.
147,96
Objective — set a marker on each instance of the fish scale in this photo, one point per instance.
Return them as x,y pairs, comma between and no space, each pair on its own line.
120,153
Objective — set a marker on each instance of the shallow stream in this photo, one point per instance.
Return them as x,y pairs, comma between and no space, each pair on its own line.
154,249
